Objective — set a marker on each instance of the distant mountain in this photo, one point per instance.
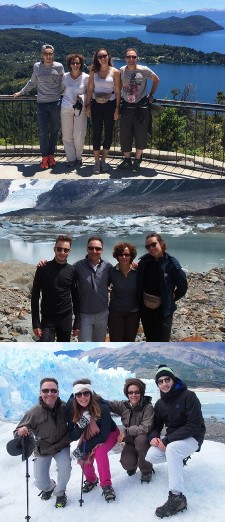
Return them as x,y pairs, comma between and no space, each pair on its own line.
70,353
189,26
206,197
213,14
37,14
197,365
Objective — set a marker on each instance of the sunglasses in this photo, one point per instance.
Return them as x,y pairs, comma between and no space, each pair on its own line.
151,245
166,380
102,56
84,393
130,57
98,249
134,393
49,390
124,255
74,63
60,249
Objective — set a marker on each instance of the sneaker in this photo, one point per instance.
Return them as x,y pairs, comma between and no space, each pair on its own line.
174,504
146,477
125,164
131,472
44,163
108,493
136,165
96,168
104,167
79,162
88,486
46,495
61,501
70,164
51,160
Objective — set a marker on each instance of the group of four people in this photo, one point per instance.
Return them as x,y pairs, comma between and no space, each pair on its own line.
97,95
101,295
86,417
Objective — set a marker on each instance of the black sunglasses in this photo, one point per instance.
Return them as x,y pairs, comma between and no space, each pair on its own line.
49,390
74,63
102,56
134,393
95,248
124,255
61,249
153,245
84,393
130,57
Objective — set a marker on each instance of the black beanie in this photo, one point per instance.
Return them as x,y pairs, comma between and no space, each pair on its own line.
164,370
137,382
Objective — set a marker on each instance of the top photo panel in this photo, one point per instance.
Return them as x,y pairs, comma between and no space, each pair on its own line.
99,96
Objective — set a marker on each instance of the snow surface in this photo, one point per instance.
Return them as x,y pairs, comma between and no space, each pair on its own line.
21,368
204,483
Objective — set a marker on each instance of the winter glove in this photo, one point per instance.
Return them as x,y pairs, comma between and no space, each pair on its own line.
84,420
77,453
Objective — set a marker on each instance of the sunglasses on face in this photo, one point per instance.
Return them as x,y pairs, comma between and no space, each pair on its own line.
124,255
166,380
98,249
49,390
151,245
84,393
61,249
100,56
134,393
74,63
128,57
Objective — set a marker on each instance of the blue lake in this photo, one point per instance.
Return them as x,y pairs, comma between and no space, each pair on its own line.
206,80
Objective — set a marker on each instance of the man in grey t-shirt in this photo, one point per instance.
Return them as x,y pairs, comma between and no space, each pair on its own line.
47,78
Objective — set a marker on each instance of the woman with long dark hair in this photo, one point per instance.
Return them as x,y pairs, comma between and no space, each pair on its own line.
90,422
160,283
102,104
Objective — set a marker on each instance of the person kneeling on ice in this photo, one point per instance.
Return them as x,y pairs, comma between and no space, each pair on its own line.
137,417
89,420
47,421
179,410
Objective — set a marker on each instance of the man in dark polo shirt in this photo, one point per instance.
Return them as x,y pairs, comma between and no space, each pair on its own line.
55,282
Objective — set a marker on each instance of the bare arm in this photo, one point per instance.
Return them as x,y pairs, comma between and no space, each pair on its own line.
117,90
90,89
155,82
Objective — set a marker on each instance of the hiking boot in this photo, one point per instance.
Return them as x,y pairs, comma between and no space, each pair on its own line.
96,168
88,486
174,504
136,165
51,161
104,167
61,501
125,164
108,493
46,495
146,477
44,163
131,472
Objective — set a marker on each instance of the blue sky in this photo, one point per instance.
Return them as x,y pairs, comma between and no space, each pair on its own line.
125,7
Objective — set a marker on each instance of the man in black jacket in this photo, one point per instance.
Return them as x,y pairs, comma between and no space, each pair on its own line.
55,281
179,410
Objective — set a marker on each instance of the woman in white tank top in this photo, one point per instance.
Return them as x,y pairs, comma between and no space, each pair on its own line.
102,105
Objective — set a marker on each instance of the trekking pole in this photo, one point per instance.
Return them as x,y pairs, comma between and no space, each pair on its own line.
81,501
27,488
26,455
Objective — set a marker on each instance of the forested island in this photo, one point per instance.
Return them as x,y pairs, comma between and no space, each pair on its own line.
20,48
188,26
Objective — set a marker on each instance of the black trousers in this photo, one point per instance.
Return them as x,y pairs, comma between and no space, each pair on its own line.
155,326
123,327
102,114
56,328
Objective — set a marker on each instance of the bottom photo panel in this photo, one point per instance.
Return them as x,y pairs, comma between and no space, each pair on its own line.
105,431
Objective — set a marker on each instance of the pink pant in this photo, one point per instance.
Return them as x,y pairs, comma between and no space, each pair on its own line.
102,461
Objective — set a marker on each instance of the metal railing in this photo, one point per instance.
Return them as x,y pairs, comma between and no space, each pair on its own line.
185,134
